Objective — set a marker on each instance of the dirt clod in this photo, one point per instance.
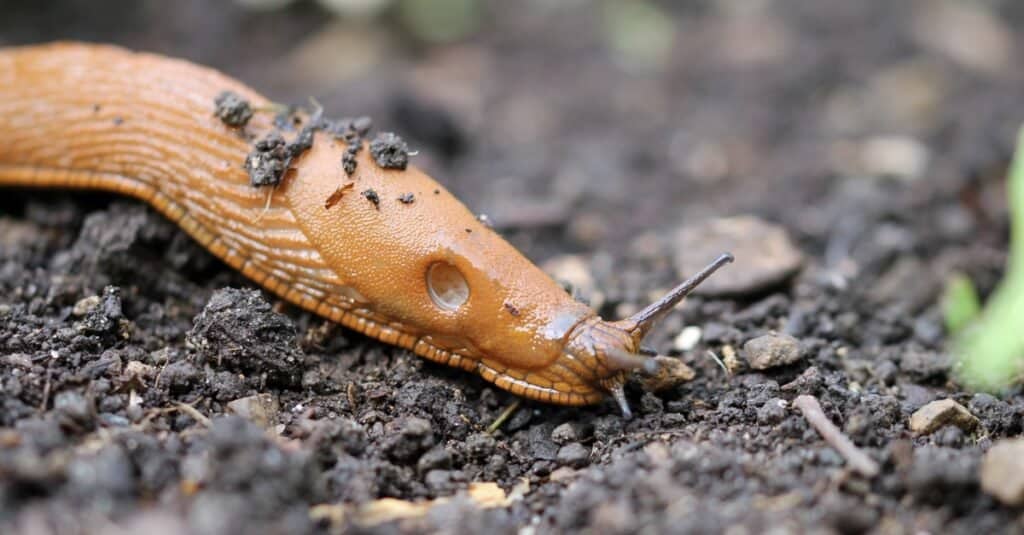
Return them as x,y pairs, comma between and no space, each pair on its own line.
239,331
372,196
232,109
268,160
389,151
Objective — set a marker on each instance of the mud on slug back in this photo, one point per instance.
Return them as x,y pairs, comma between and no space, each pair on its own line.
312,215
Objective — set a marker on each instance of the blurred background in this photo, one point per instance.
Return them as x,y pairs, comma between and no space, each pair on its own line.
869,129
606,139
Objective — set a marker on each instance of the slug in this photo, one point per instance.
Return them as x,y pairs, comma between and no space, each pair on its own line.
314,214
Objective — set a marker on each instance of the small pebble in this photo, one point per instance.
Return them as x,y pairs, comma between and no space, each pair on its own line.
772,412
1002,471
671,372
772,350
573,454
687,339
85,305
937,414
261,409
566,433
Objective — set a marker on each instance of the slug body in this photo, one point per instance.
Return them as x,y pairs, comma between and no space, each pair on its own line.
424,275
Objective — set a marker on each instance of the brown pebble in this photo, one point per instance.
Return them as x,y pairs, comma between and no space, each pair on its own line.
940,413
1002,471
772,350
671,373
260,409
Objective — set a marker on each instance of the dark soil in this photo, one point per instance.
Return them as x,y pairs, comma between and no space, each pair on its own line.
122,342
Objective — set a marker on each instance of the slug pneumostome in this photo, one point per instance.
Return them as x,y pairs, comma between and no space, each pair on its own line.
311,212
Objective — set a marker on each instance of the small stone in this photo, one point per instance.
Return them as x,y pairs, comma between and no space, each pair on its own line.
86,305
810,381
574,455
937,414
138,372
1002,471
772,412
261,409
772,350
687,339
671,372
765,255
900,157
389,151
566,433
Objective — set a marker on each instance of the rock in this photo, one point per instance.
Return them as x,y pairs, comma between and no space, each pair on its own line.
261,409
687,339
772,350
573,454
569,432
671,373
1002,471
765,255
895,156
772,412
937,414
85,305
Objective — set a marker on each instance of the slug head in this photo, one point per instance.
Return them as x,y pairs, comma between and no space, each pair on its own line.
602,353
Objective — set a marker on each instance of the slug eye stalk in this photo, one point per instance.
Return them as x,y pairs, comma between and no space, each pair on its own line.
613,348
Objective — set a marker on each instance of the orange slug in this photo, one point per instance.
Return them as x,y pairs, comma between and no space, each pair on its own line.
311,215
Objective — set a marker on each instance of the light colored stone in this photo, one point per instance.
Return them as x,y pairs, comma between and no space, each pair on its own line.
261,409
772,350
894,156
688,338
671,373
1002,471
85,305
938,414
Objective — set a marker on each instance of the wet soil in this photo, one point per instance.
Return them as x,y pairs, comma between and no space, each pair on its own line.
129,355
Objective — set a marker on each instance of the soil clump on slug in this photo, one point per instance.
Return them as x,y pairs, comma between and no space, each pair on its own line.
147,387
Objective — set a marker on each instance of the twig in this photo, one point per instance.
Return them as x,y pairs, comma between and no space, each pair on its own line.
858,460
718,361
500,420
194,414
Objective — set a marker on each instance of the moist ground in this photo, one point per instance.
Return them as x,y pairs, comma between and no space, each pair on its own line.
124,343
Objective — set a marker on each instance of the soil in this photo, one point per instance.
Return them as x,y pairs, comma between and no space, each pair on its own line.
128,353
